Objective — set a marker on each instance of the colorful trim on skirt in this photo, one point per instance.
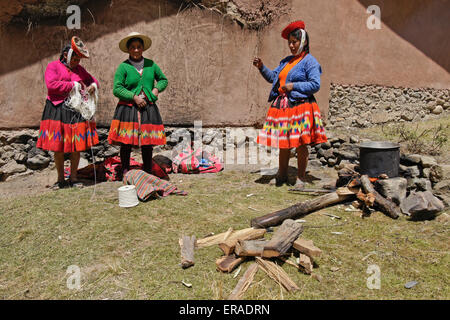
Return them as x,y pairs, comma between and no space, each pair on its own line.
65,130
137,126
290,125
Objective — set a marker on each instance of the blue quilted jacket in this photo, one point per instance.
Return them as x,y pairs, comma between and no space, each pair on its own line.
305,76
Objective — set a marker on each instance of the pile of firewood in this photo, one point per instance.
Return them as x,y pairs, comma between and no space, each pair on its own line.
250,244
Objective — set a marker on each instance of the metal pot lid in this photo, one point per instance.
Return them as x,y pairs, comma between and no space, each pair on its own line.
379,145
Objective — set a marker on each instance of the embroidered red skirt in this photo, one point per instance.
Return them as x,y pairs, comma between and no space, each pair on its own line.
137,126
290,125
64,130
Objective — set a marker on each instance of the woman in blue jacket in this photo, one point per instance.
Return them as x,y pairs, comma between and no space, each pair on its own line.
293,119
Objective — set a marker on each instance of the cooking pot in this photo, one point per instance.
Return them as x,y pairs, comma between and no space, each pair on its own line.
377,157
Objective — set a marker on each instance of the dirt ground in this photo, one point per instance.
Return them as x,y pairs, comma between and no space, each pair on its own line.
40,182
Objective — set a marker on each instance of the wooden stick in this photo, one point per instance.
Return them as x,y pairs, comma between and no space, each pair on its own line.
250,248
225,236
299,210
244,283
229,245
307,247
386,206
282,239
187,245
306,263
277,274
228,263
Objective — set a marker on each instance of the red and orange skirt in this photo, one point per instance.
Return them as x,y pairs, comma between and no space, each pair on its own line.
290,125
64,130
137,126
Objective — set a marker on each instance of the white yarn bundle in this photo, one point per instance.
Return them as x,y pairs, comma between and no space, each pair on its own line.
83,102
128,196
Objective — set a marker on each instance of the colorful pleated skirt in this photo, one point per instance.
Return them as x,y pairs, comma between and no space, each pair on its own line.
137,126
64,130
290,125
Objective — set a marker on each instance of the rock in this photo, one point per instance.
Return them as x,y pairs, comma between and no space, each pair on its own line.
20,157
422,205
442,187
20,136
37,162
427,161
36,151
328,154
408,116
409,172
325,145
323,160
337,145
11,168
110,152
438,110
410,159
423,184
8,155
332,161
393,188
2,162
345,155
315,164
439,173
425,173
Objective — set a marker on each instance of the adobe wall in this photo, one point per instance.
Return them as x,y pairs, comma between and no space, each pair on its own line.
207,58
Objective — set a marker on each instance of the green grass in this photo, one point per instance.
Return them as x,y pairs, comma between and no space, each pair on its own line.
134,253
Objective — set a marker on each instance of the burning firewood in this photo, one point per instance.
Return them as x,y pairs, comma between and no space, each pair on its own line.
385,205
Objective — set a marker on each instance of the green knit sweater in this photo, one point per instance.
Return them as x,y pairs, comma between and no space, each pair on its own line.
128,82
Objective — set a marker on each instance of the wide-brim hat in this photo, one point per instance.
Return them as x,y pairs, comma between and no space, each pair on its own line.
123,43
291,27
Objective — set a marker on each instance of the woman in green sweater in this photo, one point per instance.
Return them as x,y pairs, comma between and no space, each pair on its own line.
137,83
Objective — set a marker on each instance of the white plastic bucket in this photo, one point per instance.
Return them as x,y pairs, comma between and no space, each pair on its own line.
128,196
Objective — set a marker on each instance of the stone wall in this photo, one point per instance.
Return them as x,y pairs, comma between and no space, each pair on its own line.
370,105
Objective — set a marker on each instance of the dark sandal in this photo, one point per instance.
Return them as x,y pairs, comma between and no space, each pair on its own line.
76,184
59,185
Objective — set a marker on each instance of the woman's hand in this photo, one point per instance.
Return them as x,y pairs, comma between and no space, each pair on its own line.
257,62
139,101
90,89
155,91
288,87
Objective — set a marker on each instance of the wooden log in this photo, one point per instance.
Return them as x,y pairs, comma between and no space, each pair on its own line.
250,248
244,283
229,245
307,247
282,239
225,236
299,210
277,274
306,263
187,245
386,206
228,263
